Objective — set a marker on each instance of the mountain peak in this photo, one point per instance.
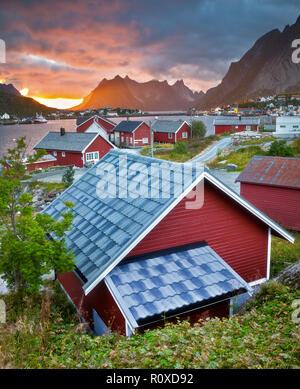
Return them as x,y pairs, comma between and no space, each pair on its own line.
298,20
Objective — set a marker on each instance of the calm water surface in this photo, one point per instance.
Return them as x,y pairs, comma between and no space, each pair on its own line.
34,132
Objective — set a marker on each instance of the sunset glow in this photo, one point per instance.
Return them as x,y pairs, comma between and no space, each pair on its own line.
24,92
60,103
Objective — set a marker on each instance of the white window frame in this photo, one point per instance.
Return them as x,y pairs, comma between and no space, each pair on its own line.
248,128
184,135
170,135
145,141
63,154
55,153
92,156
122,139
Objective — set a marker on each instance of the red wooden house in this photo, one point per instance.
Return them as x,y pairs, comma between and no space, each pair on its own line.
42,163
171,131
74,148
272,184
97,124
233,124
132,134
156,247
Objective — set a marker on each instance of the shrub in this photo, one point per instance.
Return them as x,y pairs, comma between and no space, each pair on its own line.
280,149
198,129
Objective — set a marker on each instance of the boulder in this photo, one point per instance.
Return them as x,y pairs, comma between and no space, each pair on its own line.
291,276
231,167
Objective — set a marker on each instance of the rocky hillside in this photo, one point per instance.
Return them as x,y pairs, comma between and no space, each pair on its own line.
265,69
148,96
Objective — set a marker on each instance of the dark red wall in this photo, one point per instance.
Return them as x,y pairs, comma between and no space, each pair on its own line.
184,128
236,235
40,165
99,145
217,310
71,158
99,298
219,129
84,126
280,204
143,131
164,136
127,136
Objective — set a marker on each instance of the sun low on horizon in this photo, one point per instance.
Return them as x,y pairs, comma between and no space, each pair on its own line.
59,102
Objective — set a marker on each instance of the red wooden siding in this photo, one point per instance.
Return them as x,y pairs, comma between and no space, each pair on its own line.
164,136
217,310
99,298
99,145
143,131
125,138
71,158
184,128
280,204
108,127
237,236
40,165
221,129
85,125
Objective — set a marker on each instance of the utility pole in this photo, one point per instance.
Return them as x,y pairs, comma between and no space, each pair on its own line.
151,133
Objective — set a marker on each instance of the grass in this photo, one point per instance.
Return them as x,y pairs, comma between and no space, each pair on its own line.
296,147
48,186
260,141
284,253
239,157
184,151
47,335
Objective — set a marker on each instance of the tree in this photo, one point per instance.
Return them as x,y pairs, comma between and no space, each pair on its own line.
68,176
280,149
198,129
27,249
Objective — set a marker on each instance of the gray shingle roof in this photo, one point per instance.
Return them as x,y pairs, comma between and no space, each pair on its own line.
82,119
104,228
167,125
171,282
108,222
71,141
236,121
127,126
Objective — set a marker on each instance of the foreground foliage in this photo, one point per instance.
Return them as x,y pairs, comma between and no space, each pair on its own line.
239,157
48,336
284,253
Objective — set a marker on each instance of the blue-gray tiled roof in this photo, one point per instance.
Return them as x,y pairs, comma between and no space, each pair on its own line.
104,228
171,126
127,126
70,141
171,282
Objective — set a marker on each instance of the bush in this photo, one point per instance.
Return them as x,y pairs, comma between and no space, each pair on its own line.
68,176
280,149
198,129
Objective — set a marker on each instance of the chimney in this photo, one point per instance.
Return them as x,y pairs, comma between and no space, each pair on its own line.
62,131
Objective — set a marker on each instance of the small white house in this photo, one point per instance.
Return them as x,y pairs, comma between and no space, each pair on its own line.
288,125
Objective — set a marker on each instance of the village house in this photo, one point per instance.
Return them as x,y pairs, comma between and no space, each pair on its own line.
288,125
132,134
97,124
168,241
171,131
272,184
44,162
236,124
74,148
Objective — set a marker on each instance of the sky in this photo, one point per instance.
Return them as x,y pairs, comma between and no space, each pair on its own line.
64,48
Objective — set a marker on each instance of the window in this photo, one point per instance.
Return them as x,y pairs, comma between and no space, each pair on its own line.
295,126
184,135
130,140
96,155
145,140
92,156
248,128
236,126
122,139
170,135
282,126
63,154
54,153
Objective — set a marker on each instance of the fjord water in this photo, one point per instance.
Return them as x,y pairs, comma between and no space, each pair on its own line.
34,132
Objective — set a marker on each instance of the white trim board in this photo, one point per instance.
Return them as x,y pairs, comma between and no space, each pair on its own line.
218,184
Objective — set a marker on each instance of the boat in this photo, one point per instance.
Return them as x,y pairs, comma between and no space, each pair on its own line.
39,119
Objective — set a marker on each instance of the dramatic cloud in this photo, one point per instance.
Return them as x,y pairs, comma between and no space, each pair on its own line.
63,48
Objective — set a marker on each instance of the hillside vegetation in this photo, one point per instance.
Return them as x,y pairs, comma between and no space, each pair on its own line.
47,334
21,106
